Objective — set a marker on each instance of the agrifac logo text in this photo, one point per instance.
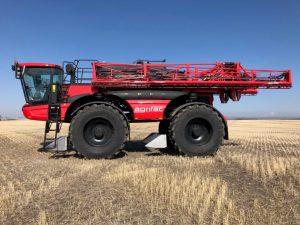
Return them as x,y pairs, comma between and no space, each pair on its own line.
149,109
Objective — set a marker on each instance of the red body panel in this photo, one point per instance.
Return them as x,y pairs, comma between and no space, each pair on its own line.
148,109
64,108
40,112
74,90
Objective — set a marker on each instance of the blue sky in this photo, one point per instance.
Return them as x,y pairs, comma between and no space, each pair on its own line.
259,34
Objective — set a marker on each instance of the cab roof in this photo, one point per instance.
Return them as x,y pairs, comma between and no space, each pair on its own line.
35,64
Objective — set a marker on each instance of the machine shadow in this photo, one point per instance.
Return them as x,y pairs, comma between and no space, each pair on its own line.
59,155
66,155
231,143
139,146
136,146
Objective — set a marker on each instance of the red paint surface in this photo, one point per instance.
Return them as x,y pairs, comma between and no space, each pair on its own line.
40,112
34,64
148,109
74,90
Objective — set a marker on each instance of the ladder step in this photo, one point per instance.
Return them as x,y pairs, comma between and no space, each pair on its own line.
48,128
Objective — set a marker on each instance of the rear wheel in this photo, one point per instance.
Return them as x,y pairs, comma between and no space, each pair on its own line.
98,131
197,130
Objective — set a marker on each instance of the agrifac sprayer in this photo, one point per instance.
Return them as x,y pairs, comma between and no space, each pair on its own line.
101,101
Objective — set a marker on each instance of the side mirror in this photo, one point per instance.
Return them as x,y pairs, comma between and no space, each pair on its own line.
70,70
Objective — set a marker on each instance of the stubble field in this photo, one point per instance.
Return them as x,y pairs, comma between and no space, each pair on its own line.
253,179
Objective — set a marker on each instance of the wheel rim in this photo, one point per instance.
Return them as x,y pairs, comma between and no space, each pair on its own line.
98,132
198,131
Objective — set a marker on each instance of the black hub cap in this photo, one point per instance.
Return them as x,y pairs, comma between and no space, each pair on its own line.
198,131
98,132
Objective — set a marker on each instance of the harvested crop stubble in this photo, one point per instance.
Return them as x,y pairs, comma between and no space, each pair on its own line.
253,179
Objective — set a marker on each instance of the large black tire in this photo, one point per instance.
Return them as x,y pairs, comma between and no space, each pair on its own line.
197,130
98,131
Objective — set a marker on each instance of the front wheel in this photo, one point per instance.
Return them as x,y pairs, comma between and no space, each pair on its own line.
98,131
197,130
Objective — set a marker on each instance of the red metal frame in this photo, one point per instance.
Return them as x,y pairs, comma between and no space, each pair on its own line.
198,75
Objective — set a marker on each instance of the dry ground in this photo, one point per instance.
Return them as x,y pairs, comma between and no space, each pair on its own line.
254,179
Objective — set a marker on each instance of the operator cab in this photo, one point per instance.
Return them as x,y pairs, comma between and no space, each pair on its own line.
37,80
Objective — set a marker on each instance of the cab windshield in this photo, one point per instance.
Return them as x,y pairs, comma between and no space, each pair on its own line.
37,83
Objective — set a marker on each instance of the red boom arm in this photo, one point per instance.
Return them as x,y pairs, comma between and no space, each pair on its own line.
215,76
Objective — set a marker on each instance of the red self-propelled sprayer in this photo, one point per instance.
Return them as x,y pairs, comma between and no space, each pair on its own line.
101,101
